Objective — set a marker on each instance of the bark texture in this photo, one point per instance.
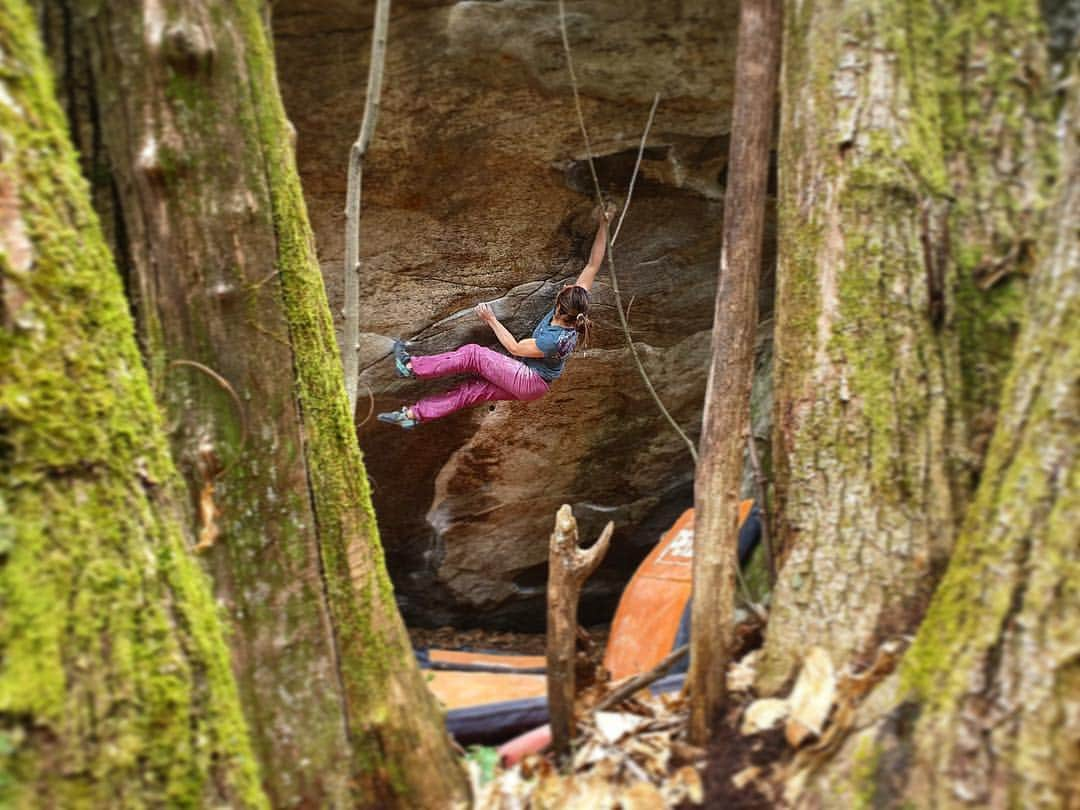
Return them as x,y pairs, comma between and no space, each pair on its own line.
115,686
986,707
223,272
914,166
726,422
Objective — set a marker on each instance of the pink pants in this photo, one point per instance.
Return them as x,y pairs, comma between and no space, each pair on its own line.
498,378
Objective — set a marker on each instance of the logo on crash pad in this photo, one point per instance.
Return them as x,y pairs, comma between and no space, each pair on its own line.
680,550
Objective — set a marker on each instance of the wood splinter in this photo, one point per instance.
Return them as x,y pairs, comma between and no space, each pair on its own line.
568,568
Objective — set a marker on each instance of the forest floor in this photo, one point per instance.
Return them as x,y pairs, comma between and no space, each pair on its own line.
636,754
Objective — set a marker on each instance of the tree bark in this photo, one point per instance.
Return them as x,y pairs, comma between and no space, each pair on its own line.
726,420
912,172
115,685
985,710
224,274
568,568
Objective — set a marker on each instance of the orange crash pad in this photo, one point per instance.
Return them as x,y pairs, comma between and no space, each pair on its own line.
456,689
652,604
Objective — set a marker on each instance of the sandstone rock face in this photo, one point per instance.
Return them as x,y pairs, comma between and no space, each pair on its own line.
476,188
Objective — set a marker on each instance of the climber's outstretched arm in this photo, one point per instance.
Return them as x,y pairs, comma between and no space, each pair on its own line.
596,255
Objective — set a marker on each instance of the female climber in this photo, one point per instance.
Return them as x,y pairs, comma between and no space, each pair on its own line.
536,362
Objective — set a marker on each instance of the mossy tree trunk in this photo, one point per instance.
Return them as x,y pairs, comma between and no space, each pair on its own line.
913,168
985,708
115,684
223,273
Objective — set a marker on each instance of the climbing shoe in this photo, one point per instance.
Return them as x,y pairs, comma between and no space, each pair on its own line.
400,418
401,360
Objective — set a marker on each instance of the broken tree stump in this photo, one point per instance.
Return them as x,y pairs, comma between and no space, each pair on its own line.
568,568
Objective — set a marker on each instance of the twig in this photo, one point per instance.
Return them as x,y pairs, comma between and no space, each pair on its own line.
744,590
638,682
263,280
209,372
610,257
351,332
633,177
371,405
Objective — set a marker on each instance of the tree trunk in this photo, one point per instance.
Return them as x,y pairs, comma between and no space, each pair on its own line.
912,171
986,710
115,686
225,280
726,421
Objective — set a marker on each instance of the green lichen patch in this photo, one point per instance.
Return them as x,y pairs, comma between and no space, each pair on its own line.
913,181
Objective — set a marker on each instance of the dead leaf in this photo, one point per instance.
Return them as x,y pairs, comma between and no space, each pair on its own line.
812,698
745,777
684,752
684,785
763,714
208,514
741,674
613,726
641,796
589,754
625,759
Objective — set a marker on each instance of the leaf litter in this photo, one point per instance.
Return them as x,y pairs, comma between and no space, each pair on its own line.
637,756
633,759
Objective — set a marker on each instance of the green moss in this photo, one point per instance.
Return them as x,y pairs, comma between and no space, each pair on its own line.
372,644
112,656
901,123
864,768
800,235
186,91
798,294
987,323
956,123
1010,533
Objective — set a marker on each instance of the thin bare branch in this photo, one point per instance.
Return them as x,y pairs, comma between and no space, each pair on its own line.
591,557
744,589
637,163
727,403
351,336
641,366
639,682
371,406
227,386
